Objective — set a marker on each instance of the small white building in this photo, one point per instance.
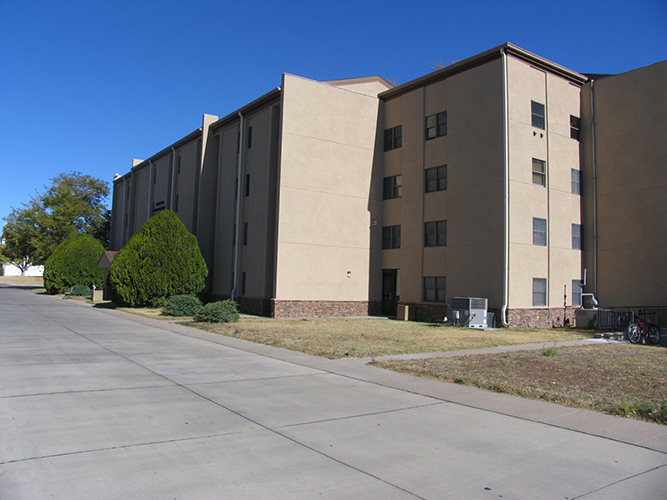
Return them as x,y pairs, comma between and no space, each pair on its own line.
12,270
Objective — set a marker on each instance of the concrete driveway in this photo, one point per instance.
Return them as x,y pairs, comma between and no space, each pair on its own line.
101,404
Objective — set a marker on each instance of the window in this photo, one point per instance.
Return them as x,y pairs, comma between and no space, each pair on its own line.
576,293
435,234
539,292
539,172
436,125
178,169
249,137
243,283
393,138
176,204
537,112
155,176
576,181
245,233
391,237
574,127
392,187
540,232
435,179
435,289
576,236
247,185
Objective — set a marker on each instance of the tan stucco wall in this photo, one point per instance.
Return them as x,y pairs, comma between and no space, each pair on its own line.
472,203
326,162
631,127
558,263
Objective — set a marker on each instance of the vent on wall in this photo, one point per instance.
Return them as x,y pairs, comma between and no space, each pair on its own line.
158,206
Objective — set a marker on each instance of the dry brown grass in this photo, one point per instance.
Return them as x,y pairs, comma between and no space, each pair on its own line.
21,280
360,338
610,378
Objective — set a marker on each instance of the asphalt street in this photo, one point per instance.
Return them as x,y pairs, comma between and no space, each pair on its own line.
96,403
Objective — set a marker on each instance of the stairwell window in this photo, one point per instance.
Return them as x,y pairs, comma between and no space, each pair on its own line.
393,138
539,292
576,237
576,181
537,114
436,125
539,172
575,122
539,232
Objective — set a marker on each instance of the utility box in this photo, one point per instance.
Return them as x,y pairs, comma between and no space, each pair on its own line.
468,311
403,312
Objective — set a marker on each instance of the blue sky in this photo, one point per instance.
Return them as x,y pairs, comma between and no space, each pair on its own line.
88,85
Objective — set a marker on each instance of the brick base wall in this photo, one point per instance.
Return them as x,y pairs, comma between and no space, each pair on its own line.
427,313
540,318
322,308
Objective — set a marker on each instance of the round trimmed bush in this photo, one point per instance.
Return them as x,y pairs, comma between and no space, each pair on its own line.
80,290
182,305
74,262
224,311
161,260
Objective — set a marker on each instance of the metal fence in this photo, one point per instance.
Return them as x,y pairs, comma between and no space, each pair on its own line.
618,318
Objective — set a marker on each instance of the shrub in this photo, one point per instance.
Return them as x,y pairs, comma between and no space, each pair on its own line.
218,312
80,290
74,262
161,260
182,305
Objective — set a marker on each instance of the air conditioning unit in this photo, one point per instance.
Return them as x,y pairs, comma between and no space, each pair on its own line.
468,311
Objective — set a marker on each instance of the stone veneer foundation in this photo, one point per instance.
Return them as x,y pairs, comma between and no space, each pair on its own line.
322,309
540,318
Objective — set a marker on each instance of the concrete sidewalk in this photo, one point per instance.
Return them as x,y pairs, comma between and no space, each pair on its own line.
102,404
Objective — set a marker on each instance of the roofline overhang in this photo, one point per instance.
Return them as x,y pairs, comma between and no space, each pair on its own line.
267,99
483,58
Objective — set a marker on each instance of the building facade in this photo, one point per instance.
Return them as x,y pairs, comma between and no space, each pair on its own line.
354,197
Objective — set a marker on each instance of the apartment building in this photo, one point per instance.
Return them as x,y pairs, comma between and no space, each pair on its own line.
354,197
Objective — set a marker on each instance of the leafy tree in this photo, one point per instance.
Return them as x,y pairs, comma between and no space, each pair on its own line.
73,204
160,260
74,262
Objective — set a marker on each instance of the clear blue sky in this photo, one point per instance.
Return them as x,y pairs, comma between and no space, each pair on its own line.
88,85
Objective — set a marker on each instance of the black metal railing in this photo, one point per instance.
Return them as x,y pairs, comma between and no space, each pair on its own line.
618,318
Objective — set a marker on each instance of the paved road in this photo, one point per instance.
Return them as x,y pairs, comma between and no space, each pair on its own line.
101,404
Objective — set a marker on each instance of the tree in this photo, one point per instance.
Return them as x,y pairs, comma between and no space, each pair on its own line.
161,260
73,204
74,262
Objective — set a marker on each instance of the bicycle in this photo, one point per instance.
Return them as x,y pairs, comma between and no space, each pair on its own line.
639,328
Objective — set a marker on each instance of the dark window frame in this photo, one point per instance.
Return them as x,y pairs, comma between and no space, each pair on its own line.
576,292
538,116
391,237
435,126
434,289
540,175
435,233
539,295
577,237
392,187
539,232
245,233
393,138
576,181
575,127
435,179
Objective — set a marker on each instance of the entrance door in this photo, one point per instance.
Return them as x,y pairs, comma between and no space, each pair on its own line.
389,298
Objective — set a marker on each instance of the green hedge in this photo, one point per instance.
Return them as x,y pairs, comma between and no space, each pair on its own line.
224,311
182,305
74,262
160,260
